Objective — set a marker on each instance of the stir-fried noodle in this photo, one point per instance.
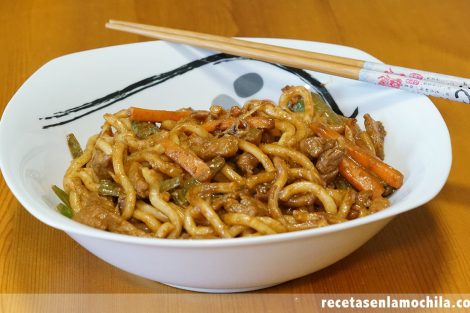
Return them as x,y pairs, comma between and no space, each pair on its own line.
256,170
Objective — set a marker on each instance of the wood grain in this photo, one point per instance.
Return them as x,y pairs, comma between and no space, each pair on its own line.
423,251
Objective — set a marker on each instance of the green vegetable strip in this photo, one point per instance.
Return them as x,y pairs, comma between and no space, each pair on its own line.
65,210
169,184
179,195
74,146
298,107
190,183
143,129
216,164
109,188
321,106
62,195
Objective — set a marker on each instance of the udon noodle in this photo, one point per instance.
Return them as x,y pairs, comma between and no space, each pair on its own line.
260,169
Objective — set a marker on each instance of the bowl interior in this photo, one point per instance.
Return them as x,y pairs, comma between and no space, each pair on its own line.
70,94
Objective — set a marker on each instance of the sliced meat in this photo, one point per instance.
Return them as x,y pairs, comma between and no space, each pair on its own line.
209,148
121,203
98,212
187,160
328,164
252,135
101,164
376,131
314,146
268,137
247,162
233,206
256,205
353,214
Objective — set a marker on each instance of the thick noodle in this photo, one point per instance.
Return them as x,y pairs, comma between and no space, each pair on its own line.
257,170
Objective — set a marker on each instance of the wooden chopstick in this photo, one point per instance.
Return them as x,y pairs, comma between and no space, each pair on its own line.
422,82
242,43
244,51
380,67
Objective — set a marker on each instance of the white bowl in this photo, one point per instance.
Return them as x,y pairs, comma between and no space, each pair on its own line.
33,158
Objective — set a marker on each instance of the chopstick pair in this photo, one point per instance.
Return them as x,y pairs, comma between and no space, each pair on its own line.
413,80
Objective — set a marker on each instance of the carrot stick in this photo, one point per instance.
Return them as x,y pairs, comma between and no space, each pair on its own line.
187,160
360,178
324,131
139,114
389,175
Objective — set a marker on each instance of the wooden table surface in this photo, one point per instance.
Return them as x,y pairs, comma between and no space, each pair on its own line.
426,250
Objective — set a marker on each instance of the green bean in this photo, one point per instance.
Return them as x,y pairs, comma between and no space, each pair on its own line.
65,210
74,146
216,164
190,183
109,188
169,184
62,195
179,195
143,129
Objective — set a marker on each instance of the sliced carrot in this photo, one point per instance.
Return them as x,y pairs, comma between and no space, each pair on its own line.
139,114
387,173
359,177
260,122
324,131
187,160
